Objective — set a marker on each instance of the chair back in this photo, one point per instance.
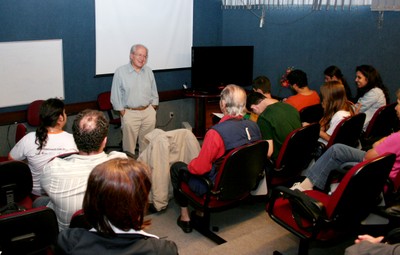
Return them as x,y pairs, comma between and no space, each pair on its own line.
312,113
104,104
20,132
359,190
383,122
32,114
15,183
29,232
348,131
295,155
103,101
78,220
241,170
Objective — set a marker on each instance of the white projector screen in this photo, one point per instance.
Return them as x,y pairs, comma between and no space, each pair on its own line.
164,27
30,70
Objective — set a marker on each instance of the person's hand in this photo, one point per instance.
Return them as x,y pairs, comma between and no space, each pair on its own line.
357,108
305,124
122,113
369,239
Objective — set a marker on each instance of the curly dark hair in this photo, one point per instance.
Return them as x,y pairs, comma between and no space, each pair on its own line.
89,129
297,77
374,80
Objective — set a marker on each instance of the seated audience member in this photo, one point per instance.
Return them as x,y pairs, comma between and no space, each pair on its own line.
371,93
333,73
338,154
369,245
49,140
275,119
336,108
262,85
64,179
114,204
231,132
304,95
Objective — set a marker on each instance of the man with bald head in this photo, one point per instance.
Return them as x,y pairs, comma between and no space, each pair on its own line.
65,179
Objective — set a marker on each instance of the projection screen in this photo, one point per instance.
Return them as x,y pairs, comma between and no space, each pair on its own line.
164,27
31,70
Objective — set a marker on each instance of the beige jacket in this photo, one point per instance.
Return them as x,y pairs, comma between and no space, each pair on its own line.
163,149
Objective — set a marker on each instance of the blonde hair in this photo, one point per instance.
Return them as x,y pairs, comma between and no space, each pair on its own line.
334,99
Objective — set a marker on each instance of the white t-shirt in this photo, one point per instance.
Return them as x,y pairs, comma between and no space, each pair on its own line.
26,148
336,119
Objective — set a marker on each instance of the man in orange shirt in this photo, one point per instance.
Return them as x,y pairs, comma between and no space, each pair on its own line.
304,95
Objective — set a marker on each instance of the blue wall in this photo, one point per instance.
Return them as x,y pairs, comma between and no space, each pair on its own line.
307,40
314,40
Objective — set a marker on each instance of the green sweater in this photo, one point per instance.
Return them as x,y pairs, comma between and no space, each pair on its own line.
276,122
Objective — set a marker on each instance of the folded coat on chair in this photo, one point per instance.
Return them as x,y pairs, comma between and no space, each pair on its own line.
164,148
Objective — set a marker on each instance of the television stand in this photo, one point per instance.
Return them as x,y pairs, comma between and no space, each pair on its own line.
206,103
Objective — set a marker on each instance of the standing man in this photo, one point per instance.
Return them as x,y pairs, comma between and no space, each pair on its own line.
134,94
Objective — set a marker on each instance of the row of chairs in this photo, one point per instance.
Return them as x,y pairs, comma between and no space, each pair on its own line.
315,215
383,122
242,169
311,215
296,154
23,229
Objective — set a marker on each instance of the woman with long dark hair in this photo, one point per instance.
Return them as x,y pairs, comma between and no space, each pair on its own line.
333,73
371,93
48,141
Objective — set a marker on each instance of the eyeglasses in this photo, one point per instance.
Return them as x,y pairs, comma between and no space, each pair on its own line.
140,56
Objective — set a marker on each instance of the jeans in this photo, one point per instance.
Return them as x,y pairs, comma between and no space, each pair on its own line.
332,159
41,201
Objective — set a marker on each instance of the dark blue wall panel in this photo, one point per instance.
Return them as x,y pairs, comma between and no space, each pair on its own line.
296,37
314,40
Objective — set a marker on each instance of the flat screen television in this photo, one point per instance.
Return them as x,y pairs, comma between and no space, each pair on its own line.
214,67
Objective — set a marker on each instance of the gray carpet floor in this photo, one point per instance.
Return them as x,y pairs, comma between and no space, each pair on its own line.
247,228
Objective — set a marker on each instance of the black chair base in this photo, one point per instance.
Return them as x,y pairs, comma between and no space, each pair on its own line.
202,225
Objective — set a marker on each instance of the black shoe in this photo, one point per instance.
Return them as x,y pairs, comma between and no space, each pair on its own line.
151,209
184,225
